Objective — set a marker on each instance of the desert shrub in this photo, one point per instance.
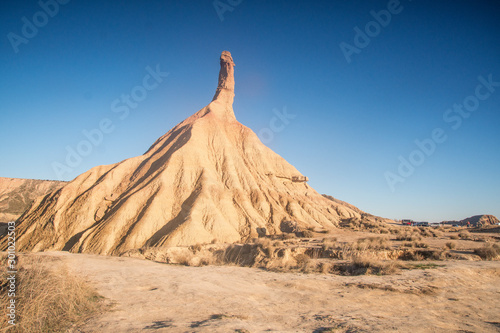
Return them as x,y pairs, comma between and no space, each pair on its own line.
454,237
352,223
464,234
434,232
328,243
451,245
287,235
302,259
325,267
306,234
420,254
47,300
385,231
266,245
310,266
372,243
361,265
367,223
416,244
484,239
412,256
278,243
426,232
488,252
408,235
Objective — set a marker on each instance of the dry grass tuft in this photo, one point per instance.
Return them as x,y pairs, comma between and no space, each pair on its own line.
416,244
266,245
422,254
361,265
373,243
367,223
302,259
488,252
464,234
47,300
306,234
329,243
451,245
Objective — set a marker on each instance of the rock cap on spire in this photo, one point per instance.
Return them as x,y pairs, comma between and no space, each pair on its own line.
225,88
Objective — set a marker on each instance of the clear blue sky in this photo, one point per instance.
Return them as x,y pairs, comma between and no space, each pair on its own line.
354,120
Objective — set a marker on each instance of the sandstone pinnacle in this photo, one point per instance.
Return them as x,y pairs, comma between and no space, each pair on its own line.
208,179
225,89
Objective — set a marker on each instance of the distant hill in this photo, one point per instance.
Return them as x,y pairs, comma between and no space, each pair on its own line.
476,220
17,195
480,219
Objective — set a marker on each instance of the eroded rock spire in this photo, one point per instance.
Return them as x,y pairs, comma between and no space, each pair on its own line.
225,88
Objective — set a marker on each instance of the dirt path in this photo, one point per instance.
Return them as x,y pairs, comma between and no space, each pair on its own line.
152,297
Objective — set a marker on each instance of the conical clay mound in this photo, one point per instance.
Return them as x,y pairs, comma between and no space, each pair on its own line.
209,178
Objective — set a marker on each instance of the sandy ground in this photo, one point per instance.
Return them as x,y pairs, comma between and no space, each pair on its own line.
461,296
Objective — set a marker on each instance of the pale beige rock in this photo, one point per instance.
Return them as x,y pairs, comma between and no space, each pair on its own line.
208,179
16,195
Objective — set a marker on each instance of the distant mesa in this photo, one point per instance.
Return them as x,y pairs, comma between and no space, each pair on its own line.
208,179
476,220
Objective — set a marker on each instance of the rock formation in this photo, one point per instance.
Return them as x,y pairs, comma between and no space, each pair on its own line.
480,220
208,179
16,195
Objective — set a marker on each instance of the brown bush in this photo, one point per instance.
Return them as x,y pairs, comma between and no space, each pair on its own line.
454,237
408,235
266,245
287,235
362,265
306,234
464,234
419,254
372,243
416,244
329,243
488,252
451,245
302,259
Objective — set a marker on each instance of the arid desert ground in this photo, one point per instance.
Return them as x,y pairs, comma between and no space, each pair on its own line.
456,296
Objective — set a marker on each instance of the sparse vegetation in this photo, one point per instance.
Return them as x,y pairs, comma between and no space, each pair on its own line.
372,243
302,259
47,300
451,245
419,254
488,252
416,244
423,266
361,265
464,234
306,234
329,255
329,243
